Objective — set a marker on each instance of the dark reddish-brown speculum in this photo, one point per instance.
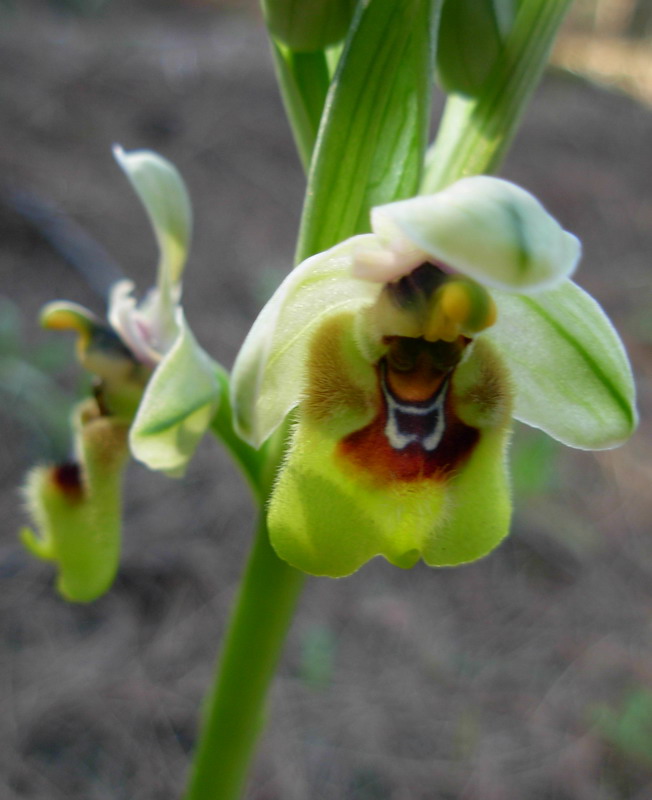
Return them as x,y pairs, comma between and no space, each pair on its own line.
67,477
416,433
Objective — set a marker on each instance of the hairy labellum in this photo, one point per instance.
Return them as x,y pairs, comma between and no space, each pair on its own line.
416,433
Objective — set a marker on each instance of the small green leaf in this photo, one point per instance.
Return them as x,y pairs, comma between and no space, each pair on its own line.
163,193
177,407
570,370
486,228
374,130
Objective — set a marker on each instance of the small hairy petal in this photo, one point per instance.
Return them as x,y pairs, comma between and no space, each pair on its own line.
269,374
484,389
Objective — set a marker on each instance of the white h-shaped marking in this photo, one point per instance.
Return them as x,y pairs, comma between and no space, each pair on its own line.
399,440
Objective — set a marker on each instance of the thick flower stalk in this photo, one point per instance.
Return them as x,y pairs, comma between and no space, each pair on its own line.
155,394
405,353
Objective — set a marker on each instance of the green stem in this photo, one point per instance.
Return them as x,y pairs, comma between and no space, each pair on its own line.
304,79
233,715
248,459
476,132
270,588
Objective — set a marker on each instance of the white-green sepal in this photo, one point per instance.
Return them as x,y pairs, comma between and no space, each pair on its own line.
177,406
485,228
163,193
569,368
269,373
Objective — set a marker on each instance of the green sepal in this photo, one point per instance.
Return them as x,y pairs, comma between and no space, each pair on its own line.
486,228
163,193
177,406
303,79
77,507
570,370
307,27
471,36
374,130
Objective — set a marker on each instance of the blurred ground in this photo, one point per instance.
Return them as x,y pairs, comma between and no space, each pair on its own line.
526,675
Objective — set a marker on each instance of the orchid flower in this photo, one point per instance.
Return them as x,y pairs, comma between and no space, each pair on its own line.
404,354
76,507
155,395
147,359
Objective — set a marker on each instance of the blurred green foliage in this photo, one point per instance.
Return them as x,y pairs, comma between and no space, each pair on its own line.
29,394
317,656
628,727
534,461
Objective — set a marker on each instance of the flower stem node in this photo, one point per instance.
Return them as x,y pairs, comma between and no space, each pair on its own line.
405,353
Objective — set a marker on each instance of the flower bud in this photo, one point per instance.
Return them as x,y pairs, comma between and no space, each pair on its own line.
471,35
306,27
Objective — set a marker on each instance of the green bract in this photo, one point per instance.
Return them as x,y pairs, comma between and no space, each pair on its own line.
406,352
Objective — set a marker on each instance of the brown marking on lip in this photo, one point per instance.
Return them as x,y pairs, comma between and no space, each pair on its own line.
415,373
370,451
67,478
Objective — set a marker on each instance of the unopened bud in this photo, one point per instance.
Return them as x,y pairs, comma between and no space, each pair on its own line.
308,26
471,35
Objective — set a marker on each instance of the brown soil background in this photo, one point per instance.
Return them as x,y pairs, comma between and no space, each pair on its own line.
482,683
